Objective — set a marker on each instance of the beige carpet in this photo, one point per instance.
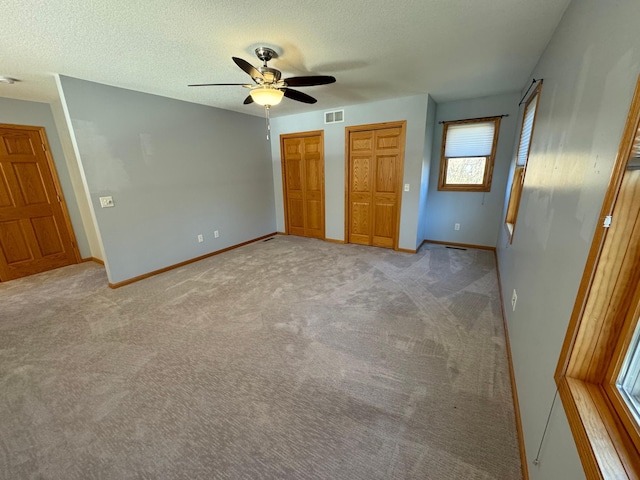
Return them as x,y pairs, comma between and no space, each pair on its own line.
286,359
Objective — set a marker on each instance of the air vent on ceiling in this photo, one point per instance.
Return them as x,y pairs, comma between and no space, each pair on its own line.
334,117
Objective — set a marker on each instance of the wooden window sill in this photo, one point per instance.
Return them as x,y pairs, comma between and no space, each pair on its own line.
604,447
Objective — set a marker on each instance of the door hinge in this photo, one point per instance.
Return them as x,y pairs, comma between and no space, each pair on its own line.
607,221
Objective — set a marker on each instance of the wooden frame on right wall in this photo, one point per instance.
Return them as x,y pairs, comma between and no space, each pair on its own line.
602,324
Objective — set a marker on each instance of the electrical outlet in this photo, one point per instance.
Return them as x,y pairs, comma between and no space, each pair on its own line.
106,202
456,226
406,187
200,238
216,234
514,299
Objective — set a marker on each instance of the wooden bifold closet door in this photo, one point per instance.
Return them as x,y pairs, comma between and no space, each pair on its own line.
375,166
302,157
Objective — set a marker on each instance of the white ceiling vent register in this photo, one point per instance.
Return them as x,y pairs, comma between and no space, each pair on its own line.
334,117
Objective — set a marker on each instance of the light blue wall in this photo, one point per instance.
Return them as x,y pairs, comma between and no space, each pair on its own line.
426,169
174,169
478,213
20,112
589,68
411,109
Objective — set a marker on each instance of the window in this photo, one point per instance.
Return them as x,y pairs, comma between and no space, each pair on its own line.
598,374
468,153
524,147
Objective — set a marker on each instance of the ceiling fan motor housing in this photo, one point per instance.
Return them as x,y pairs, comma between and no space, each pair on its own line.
271,75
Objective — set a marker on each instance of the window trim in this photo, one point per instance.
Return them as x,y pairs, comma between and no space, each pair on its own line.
516,190
517,184
605,446
610,388
488,172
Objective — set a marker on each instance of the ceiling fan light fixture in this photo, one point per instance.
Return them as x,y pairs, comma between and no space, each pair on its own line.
266,96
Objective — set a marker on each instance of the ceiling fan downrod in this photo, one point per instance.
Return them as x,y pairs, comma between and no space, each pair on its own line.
265,54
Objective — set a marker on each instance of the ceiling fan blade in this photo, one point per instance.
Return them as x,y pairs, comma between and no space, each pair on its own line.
309,81
217,84
299,96
247,67
248,100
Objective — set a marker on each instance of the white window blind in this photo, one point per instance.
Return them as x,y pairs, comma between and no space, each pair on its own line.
470,139
527,129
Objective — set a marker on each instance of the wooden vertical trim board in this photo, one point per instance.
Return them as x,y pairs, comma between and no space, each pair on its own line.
512,376
617,273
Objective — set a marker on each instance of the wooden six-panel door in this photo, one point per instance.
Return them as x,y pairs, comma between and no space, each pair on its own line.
35,234
375,167
303,183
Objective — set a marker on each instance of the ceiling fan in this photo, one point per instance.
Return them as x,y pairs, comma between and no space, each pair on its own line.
268,87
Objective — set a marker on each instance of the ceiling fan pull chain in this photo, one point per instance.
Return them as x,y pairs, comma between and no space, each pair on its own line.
266,110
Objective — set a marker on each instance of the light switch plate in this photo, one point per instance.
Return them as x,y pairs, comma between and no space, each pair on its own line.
106,202
406,187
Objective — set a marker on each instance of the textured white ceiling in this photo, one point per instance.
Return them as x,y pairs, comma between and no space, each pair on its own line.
377,49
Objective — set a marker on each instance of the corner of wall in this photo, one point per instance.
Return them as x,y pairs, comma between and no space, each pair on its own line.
78,178
426,168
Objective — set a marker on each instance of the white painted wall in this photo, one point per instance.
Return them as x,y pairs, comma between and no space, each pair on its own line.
411,109
21,112
589,68
478,213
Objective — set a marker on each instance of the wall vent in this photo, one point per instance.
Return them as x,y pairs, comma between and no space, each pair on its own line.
334,117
